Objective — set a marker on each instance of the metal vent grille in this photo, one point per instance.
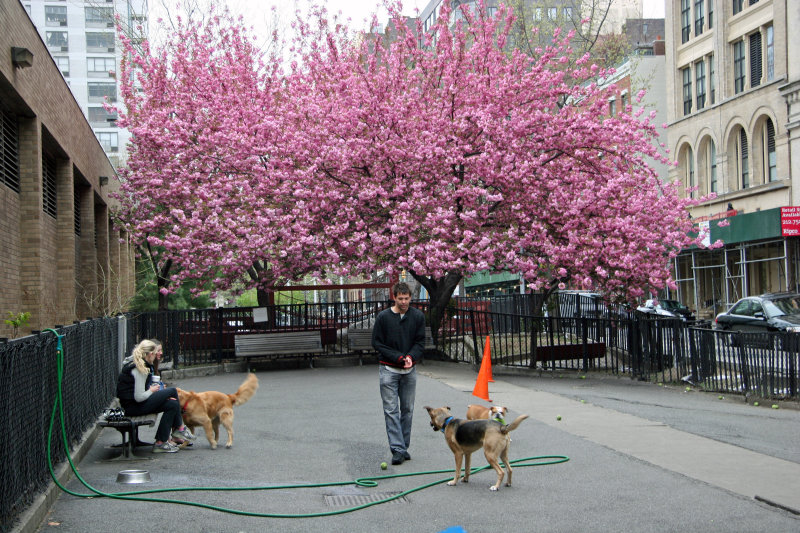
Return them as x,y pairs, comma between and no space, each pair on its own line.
353,500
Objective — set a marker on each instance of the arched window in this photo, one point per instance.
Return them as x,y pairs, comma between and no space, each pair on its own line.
742,152
707,166
768,148
686,166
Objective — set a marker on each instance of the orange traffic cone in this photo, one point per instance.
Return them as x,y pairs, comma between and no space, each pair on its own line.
487,357
481,389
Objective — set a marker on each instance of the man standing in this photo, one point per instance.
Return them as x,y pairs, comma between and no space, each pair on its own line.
399,338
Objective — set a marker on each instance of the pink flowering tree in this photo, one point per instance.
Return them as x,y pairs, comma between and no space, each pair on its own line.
442,154
206,186
445,154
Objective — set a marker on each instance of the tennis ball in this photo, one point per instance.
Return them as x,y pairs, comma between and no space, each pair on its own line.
583,401
384,466
558,417
775,406
721,397
755,403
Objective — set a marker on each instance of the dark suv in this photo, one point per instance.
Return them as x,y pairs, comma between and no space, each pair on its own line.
768,312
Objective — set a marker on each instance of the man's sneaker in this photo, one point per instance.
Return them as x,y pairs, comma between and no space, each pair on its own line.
164,447
397,458
406,456
183,434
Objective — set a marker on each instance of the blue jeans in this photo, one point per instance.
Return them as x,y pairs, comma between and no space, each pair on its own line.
397,393
159,402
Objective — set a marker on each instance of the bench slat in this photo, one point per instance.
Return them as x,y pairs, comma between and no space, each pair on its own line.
286,343
361,339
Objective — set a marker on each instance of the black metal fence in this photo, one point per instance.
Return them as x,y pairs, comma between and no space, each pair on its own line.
28,390
572,332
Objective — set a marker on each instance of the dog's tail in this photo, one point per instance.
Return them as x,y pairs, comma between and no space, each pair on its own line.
246,390
508,428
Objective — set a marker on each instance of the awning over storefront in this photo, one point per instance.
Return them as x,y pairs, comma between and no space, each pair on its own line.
748,227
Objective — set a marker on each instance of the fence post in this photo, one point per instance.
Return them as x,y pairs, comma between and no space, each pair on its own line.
745,368
474,337
585,340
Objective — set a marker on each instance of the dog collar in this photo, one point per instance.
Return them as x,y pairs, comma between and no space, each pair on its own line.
183,407
447,421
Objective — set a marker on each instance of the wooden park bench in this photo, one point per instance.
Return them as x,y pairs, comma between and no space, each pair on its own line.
273,345
360,339
128,427
569,352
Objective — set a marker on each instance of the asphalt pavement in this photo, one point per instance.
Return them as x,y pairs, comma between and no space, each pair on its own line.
643,457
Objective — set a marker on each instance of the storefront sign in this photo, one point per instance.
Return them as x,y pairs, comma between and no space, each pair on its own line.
790,221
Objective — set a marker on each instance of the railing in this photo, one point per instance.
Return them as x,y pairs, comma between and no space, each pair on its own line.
29,370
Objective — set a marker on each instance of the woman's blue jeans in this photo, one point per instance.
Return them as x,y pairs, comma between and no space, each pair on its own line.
397,394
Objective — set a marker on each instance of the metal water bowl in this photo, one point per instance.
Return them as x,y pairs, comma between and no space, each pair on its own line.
133,476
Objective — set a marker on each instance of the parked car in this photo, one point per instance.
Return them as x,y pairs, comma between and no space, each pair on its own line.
667,308
768,312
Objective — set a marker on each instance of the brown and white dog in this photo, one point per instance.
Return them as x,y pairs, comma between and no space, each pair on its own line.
210,408
479,412
467,436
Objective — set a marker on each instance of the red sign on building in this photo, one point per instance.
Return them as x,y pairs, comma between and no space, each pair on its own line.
790,221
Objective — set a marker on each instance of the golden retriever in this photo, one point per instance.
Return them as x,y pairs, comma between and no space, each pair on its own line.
208,409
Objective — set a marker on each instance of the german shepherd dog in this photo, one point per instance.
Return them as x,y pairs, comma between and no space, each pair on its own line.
467,436
210,408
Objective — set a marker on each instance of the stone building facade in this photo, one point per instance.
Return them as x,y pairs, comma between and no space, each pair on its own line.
732,75
61,258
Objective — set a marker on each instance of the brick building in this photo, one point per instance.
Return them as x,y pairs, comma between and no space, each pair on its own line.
61,258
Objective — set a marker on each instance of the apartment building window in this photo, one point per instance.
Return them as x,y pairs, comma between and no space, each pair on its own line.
699,17
700,82
63,65
99,42
108,140
738,67
712,166
552,13
738,5
687,90
537,13
710,14
55,16
690,171
9,150
100,67
612,107
755,59
685,20
99,17
100,92
567,11
768,151
98,116
49,185
742,159
712,84
770,53
623,102
57,41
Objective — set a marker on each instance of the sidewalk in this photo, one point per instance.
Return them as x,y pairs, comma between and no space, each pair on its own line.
628,469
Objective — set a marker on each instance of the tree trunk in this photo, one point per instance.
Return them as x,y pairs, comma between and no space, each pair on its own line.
440,290
162,281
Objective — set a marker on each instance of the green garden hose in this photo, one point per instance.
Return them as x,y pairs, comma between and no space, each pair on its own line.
371,481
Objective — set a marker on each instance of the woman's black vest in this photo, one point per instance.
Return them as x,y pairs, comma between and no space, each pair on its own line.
126,382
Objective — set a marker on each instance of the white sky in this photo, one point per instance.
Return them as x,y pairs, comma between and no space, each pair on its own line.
258,12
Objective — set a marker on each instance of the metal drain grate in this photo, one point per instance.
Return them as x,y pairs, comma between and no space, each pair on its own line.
353,500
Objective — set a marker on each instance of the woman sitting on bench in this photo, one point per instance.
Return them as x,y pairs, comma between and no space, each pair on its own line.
139,395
